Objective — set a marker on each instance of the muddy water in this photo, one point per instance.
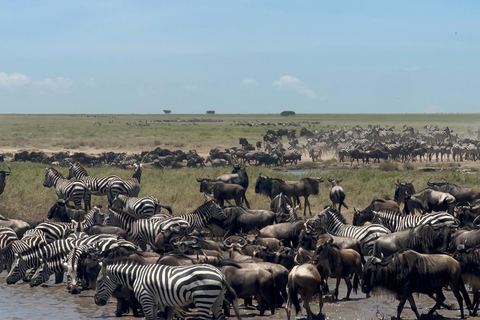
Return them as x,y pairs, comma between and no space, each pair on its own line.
52,302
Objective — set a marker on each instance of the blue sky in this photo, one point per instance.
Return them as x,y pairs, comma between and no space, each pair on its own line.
239,56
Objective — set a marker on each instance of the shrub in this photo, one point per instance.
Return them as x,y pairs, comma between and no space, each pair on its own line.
408,166
287,113
388,166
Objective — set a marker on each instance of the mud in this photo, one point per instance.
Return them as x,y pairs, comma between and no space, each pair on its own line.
53,302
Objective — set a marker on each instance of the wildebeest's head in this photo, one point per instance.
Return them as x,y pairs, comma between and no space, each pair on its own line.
402,191
369,272
3,174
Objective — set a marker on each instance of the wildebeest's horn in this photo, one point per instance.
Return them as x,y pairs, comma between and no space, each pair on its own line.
200,180
476,222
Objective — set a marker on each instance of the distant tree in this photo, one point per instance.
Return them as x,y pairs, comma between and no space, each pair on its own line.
287,113
210,111
167,111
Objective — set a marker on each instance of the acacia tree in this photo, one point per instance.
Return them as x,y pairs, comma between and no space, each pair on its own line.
287,113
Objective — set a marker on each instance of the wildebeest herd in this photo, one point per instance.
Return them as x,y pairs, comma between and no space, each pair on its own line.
161,265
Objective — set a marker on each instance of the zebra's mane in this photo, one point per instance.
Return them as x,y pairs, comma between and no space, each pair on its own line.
201,207
337,215
81,166
55,171
122,212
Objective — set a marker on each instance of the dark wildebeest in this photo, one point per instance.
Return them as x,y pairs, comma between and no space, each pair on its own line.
400,274
238,176
18,226
469,260
306,281
466,238
429,200
291,189
337,195
286,231
360,217
3,174
334,262
463,196
403,190
240,219
423,238
62,212
224,191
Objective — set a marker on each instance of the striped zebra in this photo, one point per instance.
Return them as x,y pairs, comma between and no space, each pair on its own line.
32,258
335,224
60,263
7,236
71,263
97,186
143,231
201,216
130,187
57,230
157,287
66,189
140,208
397,222
31,239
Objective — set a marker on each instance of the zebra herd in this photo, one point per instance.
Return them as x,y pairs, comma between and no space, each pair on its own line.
110,263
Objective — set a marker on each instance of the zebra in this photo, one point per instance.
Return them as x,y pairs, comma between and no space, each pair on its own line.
31,239
7,235
130,187
201,216
97,186
31,258
397,222
57,230
157,286
46,269
143,231
71,263
334,223
140,208
66,189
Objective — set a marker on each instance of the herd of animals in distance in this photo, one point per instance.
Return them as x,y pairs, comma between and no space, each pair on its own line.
156,264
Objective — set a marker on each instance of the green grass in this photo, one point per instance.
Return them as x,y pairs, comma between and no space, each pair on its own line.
26,198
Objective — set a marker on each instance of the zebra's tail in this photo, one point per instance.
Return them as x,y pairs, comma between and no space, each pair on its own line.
231,296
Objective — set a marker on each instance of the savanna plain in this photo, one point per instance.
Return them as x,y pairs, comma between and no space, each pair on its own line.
25,197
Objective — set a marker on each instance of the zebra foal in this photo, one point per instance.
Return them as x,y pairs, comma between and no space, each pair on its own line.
156,287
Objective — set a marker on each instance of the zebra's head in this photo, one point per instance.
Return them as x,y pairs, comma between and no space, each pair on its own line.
18,269
50,176
70,268
105,286
41,275
216,211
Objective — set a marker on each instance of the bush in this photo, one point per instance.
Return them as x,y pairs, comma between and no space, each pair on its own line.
167,111
287,113
210,111
388,166
408,166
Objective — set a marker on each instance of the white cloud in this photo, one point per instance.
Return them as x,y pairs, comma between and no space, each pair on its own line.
295,84
14,79
249,82
59,83
192,87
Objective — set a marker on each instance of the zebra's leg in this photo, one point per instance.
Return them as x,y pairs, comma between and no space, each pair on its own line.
145,297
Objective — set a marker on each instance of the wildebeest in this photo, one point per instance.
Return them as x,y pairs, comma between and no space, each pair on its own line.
3,174
286,231
403,190
337,195
306,281
224,191
429,200
338,263
408,272
257,282
464,196
360,217
466,238
240,219
238,176
469,260
423,238
62,212
19,226
291,189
